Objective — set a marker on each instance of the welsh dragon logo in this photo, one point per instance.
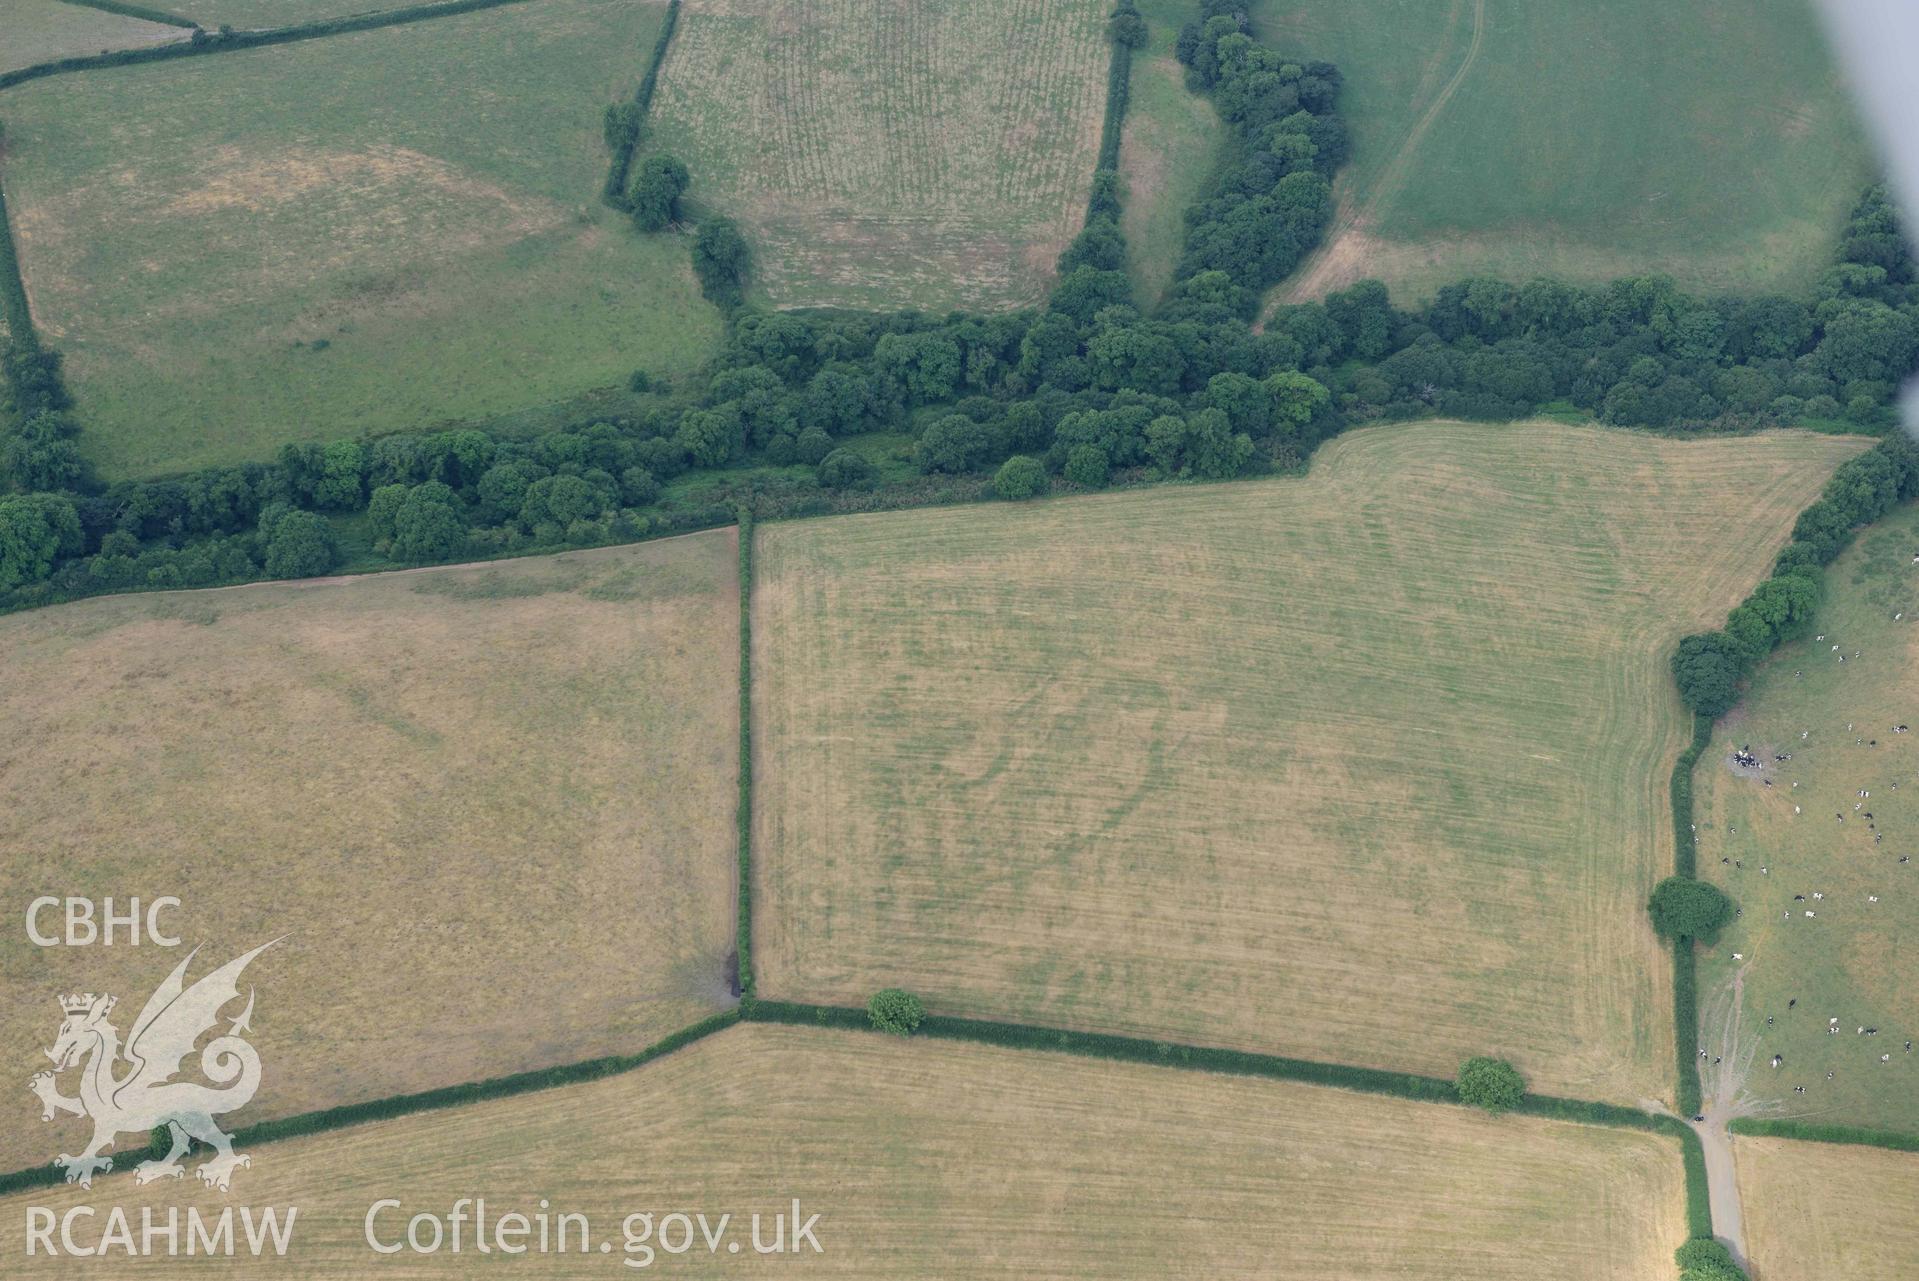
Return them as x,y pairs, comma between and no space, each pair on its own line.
132,1088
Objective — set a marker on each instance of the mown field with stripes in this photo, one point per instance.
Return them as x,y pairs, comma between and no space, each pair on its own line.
890,155
1366,767
940,1159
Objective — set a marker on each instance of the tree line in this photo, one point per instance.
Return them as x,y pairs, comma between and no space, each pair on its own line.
1089,390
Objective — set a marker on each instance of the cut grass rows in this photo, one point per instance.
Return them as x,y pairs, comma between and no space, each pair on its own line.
1295,766
1171,1172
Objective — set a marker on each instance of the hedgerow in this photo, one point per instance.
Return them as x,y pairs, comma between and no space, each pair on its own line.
743,928
384,1109
632,115
1711,667
1860,1136
1126,1049
137,11
206,42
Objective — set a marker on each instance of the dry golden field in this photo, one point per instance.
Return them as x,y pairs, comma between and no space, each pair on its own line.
1820,1212
490,807
1367,767
887,155
932,1159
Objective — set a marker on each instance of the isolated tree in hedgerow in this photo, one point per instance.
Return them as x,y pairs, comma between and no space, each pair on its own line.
1020,477
720,261
1704,1259
895,1011
657,188
1684,908
621,124
1708,667
1492,1084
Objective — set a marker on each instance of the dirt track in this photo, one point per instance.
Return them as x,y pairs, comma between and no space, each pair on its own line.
1722,1079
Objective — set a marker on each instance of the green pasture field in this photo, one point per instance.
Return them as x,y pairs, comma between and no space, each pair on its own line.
1584,139
489,808
1170,148
34,31
394,229
1367,766
1801,827
248,14
926,1158
883,155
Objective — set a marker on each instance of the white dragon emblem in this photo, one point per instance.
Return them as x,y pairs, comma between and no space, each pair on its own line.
145,1095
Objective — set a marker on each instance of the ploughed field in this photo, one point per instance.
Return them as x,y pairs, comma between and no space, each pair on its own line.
882,155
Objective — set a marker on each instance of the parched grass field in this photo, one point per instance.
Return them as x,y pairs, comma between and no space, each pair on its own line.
33,31
490,807
1169,148
884,155
1580,140
1366,767
936,1159
1855,960
393,229
1819,1212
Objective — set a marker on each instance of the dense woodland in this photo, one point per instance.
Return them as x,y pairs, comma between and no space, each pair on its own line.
1089,391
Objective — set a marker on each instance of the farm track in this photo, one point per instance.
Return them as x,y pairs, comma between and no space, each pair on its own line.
1340,259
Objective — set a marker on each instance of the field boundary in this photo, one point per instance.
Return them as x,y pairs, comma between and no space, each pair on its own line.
1685,960
1128,1049
448,1096
614,193
137,11
1103,199
743,939
14,307
1807,1132
235,40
